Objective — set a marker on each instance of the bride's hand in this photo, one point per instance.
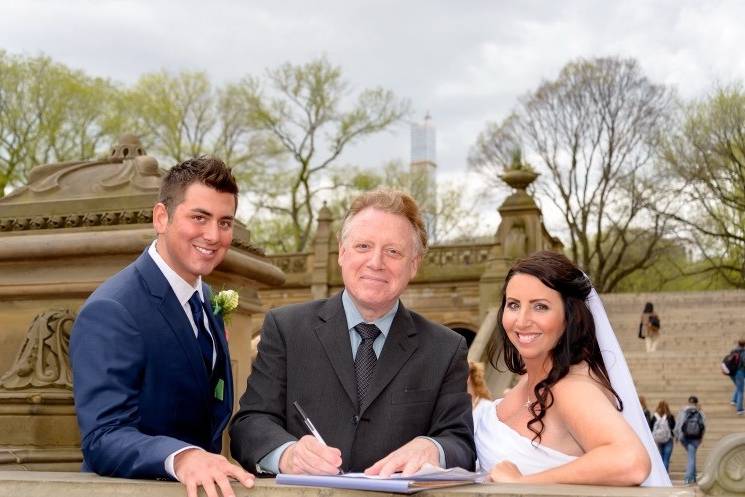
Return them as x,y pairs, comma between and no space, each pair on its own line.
505,472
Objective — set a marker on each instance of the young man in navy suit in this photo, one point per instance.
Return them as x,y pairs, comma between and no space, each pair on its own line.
152,379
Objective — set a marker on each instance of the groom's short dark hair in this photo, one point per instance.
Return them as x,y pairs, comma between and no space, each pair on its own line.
210,171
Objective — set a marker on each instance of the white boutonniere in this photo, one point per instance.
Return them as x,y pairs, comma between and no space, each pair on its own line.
223,303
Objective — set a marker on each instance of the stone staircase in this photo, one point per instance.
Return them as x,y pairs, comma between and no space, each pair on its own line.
697,330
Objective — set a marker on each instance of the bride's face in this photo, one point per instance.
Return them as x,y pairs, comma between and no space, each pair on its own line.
533,316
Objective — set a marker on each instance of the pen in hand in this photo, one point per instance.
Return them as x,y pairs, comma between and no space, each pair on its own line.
308,423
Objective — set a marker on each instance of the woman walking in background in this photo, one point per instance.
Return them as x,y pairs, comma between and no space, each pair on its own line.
650,325
662,432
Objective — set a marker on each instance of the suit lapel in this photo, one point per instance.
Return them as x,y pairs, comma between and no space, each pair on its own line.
401,342
333,334
223,368
173,314
218,327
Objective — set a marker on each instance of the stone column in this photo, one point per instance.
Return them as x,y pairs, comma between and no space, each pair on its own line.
322,244
520,233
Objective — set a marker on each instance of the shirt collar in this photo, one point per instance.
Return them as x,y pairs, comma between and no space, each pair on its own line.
354,317
180,286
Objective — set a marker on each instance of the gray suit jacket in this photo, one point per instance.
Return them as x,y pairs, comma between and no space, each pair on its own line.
305,355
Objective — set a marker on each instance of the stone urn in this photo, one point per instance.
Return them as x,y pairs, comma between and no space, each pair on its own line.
519,179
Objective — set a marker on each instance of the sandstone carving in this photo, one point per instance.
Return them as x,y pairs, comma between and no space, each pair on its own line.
43,360
725,468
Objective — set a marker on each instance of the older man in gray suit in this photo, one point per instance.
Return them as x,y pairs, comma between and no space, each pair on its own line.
385,388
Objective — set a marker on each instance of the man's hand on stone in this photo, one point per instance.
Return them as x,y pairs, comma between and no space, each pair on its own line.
196,467
310,457
408,459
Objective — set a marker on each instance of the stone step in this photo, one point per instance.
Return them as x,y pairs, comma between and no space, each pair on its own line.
698,329
660,362
705,373
689,384
718,347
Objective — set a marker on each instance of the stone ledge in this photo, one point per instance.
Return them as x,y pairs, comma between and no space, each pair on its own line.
41,484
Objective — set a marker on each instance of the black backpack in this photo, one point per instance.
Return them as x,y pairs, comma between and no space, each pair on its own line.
731,362
654,321
693,425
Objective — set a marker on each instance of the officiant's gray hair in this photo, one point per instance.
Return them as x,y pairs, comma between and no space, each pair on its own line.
393,202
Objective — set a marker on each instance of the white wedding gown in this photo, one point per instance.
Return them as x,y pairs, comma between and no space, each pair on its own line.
495,442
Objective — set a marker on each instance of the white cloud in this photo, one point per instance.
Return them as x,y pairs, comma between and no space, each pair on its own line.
465,62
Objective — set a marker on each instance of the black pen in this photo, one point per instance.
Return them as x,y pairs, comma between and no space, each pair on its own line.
308,423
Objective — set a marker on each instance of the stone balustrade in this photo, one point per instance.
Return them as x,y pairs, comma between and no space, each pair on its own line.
37,484
723,475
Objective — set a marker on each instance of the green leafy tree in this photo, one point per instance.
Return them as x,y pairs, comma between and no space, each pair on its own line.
456,213
705,155
305,117
50,113
175,114
592,133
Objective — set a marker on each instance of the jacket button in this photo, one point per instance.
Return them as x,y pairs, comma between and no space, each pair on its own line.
355,420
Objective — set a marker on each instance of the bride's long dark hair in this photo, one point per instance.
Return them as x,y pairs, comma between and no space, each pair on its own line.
577,344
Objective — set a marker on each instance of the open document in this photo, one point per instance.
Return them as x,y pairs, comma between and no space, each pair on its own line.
427,478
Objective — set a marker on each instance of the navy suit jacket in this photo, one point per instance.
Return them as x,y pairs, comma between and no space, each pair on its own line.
305,355
141,388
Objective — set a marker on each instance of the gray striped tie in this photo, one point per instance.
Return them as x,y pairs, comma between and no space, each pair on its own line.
365,360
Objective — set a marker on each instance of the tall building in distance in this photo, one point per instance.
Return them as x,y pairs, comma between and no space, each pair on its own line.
424,171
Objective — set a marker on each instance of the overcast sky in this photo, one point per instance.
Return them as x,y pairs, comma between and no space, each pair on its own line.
465,62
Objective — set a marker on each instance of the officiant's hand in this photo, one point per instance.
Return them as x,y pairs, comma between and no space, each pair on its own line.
308,456
505,472
408,459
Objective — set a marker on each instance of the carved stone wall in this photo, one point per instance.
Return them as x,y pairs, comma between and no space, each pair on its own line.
43,360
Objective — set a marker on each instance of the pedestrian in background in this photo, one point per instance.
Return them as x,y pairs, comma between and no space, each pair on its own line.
738,377
662,431
689,430
649,327
645,410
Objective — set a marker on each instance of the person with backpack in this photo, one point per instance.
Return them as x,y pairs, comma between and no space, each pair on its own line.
647,415
662,431
649,327
689,430
737,375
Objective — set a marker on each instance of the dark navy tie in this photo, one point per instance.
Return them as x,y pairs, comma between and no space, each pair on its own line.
203,336
365,360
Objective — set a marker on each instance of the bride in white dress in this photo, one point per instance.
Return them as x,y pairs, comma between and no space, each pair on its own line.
574,416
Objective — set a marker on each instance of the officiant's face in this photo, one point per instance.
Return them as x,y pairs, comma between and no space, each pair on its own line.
194,240
378,258
533,316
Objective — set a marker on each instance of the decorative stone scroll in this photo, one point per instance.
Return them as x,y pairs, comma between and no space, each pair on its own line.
449,255
104,218
294,263
724,473
43,360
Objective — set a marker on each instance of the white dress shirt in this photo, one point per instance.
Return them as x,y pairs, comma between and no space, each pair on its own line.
183,291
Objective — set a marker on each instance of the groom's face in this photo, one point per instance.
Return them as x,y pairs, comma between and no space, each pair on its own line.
195,239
